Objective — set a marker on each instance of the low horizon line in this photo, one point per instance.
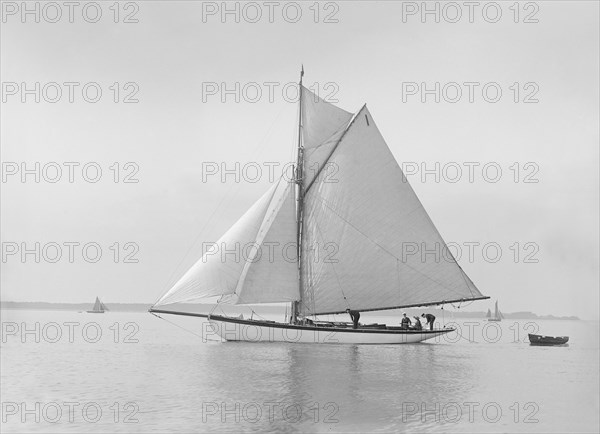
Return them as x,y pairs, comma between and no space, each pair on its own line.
274,305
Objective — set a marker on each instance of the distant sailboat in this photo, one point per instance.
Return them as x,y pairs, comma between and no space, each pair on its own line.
348,191
497,314
99,307
488,314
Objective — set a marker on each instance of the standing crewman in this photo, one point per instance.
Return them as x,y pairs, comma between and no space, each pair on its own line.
405,323
355,315
418,325
430,319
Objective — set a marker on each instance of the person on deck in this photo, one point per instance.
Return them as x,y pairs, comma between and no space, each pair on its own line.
405,323
418,325
430,319
355,315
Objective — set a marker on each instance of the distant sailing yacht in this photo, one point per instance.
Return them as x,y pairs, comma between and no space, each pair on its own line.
497,314
99,307
334,237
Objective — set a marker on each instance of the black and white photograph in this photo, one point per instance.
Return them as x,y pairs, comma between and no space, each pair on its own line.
355,216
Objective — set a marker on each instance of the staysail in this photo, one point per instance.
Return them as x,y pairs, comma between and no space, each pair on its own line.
254,262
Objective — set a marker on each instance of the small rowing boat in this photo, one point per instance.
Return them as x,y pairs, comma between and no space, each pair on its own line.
547,340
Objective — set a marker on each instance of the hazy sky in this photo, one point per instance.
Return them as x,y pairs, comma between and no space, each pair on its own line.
368,53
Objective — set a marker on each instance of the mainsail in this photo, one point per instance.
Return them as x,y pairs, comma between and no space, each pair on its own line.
99,306
388,252
367,242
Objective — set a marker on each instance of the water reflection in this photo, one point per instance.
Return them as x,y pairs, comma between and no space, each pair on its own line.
317,387
181,384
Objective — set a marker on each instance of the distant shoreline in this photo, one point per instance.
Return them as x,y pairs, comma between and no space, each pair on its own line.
206,308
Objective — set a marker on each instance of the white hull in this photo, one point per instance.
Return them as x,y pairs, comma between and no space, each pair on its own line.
232,329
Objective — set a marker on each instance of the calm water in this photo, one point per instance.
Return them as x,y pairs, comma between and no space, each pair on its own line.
170,380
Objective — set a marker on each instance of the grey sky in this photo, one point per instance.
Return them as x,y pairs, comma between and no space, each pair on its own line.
369,53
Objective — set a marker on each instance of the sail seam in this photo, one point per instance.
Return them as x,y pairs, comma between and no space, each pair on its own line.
334,149
334,272
342,127
462,273
265,230
384,249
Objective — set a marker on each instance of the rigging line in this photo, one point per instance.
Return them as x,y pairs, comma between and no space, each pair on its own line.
340,129
259,315
303,300
263,231
294,147
183,328
465,277
185,293
333,268
257,150
443,316
384,249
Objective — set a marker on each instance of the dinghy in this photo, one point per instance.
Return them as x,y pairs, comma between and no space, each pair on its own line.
547,340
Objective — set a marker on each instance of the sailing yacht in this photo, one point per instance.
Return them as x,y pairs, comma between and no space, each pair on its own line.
349,194
497,314
99,307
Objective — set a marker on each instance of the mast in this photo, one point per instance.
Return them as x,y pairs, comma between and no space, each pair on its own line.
299,179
